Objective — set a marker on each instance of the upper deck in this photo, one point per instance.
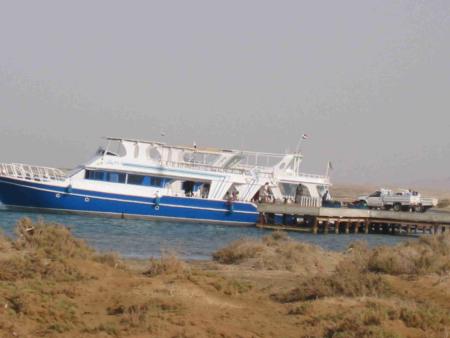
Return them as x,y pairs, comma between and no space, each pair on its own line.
229,161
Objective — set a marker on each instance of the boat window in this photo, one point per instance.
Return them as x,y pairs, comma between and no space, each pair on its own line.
157,181
138,179
146,180
108,176
115,177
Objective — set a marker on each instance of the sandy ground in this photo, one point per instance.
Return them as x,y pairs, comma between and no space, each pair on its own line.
53,285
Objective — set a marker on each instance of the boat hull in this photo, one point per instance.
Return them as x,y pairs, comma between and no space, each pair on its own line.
44,197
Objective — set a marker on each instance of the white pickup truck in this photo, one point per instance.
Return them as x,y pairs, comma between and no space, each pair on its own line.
403,200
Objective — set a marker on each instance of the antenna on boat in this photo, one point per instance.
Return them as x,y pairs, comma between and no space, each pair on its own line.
299,145
298,153
329,167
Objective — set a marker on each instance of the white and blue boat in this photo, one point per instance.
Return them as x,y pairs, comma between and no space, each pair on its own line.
144,179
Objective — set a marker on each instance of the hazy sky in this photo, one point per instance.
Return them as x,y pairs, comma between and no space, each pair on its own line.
368,81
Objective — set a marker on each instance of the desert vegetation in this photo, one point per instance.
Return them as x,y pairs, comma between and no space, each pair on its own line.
54,285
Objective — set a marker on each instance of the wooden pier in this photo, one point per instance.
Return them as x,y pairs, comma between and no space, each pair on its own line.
292,217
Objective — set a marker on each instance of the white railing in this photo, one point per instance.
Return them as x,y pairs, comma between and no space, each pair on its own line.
204,167
31,172
305,201
306,175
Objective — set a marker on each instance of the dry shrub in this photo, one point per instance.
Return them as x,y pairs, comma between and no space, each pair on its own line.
364,319
230,286
110,259
136,315
34,266
18,267
167,264
439,244
238,251
301,309
5,244
133,315
351,278
110,328
354,328
360,273
277,252
346,281
55,314
291,256
44,251
425,317
275,238
429,254
53,240
392,261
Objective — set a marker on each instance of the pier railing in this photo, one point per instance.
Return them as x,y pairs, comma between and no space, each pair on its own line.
309,202
302,202
31,172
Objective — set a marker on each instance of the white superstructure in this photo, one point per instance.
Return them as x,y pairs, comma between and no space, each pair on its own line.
211,173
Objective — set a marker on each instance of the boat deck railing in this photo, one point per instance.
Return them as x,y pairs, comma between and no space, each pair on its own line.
31,172
204,167
307,175
260,171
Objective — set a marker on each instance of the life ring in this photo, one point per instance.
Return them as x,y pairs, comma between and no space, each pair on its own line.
156,207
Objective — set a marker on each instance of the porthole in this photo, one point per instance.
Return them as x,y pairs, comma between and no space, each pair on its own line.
58,195
87,199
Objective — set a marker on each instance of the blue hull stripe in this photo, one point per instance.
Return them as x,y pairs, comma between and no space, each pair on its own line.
21,193
119,215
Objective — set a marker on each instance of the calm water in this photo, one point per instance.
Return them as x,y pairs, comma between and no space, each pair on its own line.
141,239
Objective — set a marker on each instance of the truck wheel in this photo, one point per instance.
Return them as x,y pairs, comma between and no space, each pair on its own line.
419,208
397,207
362,204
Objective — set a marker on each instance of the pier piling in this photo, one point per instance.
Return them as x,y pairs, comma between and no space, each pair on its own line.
345,220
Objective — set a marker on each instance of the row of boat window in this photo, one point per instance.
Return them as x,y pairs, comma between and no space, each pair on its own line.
115,177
